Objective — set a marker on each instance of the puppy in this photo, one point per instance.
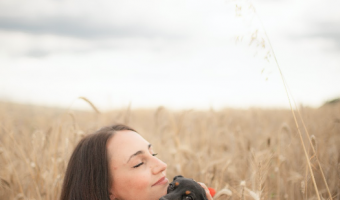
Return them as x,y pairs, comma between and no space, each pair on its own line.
184,189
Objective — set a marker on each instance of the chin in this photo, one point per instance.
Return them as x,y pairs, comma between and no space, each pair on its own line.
157,195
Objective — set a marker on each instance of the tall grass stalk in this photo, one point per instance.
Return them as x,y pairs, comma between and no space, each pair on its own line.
295,118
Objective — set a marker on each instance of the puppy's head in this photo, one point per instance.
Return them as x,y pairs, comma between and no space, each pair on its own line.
184,189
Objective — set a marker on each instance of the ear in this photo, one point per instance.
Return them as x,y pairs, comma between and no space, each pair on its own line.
112,196
179,176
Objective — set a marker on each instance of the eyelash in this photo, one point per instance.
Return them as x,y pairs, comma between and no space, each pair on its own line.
138,165
154,154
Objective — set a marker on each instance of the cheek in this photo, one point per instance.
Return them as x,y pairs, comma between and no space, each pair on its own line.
131,183
138,181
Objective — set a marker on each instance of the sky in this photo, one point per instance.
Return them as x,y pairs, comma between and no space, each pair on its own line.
181,54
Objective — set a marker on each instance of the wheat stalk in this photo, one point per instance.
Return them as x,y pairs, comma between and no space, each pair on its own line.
290,104
90,103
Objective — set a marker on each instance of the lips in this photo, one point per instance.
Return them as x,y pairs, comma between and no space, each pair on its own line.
161,181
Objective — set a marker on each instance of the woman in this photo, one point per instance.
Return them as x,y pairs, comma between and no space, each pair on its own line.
115,163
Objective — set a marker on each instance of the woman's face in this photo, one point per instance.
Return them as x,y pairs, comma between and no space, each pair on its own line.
136,172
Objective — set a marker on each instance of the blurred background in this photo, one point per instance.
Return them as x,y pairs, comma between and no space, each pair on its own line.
178,54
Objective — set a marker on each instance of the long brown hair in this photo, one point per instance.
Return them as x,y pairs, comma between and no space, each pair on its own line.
87,175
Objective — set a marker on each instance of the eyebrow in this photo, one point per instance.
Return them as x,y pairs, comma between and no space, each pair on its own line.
138,153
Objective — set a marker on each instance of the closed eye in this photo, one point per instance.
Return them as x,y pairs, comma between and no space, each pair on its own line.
138,165
154,154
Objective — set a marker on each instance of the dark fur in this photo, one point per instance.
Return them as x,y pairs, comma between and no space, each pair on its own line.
178,191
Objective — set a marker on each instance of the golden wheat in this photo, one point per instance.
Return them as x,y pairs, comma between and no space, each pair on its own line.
259,148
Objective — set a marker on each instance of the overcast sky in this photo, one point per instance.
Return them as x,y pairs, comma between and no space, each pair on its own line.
178,53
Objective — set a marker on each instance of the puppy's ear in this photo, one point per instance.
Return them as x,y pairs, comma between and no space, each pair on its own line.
179,176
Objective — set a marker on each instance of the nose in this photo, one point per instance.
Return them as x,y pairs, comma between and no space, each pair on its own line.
158,166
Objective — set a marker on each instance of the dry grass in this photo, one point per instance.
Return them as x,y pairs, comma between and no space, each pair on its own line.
243,154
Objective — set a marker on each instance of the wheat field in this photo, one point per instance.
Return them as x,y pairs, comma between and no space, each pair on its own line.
244,154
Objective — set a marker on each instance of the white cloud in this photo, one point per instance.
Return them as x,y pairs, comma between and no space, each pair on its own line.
174,53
